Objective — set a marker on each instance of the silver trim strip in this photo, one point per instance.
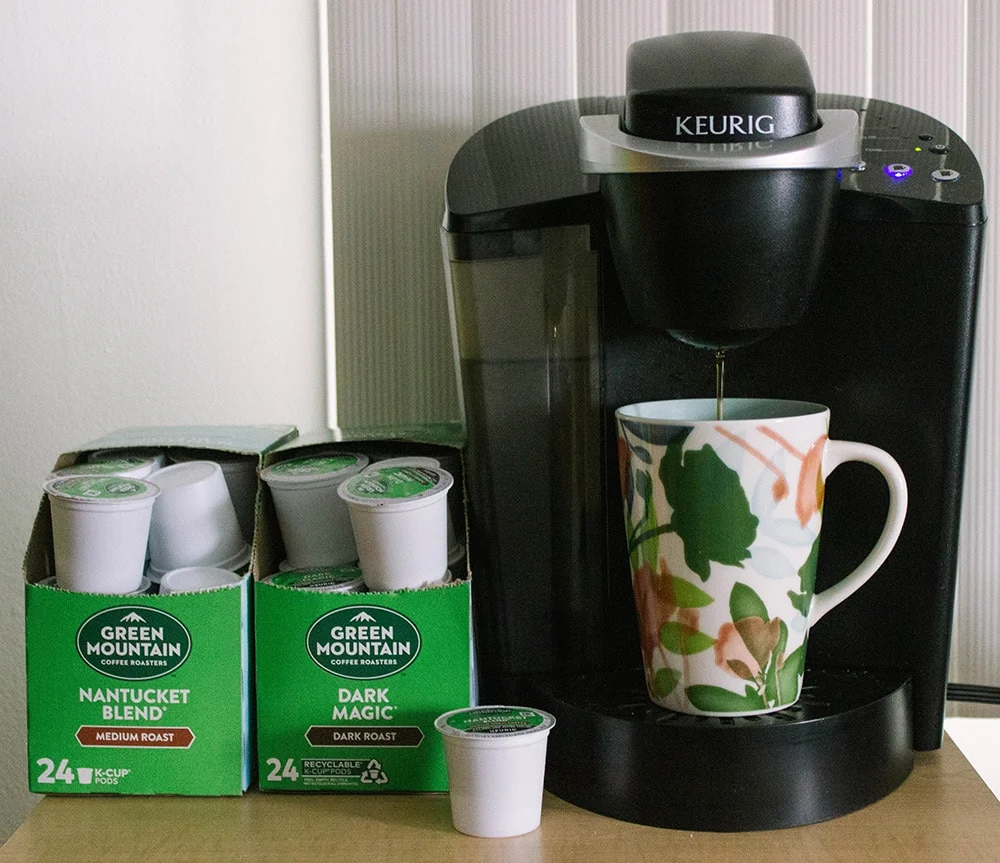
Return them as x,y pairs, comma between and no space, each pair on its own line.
605,149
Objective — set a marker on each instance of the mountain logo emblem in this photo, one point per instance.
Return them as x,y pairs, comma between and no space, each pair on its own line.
363,642
133,642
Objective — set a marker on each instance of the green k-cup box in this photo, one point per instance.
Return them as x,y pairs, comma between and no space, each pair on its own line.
349,682
142,693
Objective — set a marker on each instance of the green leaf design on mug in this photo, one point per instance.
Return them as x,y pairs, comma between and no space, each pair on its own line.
715,699
744,602
774,684
792,670
710,509
807,582
686,595
679,638
752,648
665,681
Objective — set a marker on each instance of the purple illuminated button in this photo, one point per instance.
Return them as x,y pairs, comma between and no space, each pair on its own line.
897,170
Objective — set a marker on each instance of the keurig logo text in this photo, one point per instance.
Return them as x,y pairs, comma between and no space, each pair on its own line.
724,124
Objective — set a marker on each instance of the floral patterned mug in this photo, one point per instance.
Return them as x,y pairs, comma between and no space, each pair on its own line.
722,519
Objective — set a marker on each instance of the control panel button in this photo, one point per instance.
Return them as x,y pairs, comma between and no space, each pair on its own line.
926,137
945,175
898,170
938,149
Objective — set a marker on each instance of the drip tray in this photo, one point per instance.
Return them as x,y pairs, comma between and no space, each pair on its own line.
846,743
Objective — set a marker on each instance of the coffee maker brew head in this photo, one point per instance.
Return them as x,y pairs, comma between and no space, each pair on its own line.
718,181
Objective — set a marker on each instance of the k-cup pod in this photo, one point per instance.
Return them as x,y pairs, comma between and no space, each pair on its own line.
456,549
194,522
145,585
314,521
190,579
335,579
100,525
134,466
156,457
240,472
400,519
495,757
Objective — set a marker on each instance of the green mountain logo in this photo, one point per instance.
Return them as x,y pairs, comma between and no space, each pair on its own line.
363,642
133,642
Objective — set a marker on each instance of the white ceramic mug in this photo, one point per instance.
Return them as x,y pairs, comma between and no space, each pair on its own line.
722,522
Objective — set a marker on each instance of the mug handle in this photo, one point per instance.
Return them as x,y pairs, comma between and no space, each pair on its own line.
836,453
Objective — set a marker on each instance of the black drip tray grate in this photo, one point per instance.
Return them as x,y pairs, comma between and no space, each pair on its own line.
622,695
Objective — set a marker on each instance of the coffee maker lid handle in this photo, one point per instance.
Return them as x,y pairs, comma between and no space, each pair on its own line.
606,149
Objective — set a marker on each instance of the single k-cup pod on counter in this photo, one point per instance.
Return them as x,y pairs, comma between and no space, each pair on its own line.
495,757
194,522
325,579
100,525
314,521
135,466
189,579
400,519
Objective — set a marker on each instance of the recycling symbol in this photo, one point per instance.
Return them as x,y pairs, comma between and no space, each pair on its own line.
373,774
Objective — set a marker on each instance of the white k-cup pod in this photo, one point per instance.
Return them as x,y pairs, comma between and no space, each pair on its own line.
495,757
100,526
194,522
323,579
157,458
456,549
314,521
240,472
400,519
190,579
145,585
134,466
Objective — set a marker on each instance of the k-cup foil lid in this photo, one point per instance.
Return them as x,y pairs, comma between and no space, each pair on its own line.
397,484
100,490
308,470
130,465
493,721
405,461
338,579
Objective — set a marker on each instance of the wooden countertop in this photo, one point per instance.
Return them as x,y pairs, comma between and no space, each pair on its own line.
943,812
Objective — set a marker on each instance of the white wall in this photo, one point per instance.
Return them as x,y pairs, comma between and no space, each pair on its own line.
160,245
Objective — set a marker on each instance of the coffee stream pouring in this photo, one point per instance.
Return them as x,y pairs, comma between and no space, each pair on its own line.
599,252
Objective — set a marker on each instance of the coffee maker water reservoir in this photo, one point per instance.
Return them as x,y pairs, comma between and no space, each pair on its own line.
594,249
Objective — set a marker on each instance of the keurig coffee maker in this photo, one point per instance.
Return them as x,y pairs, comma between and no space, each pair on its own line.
599,253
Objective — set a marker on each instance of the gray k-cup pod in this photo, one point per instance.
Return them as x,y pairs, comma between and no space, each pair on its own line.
314,522
337,579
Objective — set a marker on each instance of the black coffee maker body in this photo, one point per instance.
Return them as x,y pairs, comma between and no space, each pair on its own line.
597,252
